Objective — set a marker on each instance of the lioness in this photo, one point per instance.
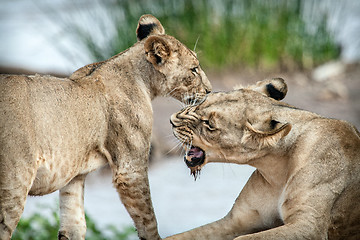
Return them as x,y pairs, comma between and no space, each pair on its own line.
307,177
54,131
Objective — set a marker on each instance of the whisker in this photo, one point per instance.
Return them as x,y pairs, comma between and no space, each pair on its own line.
191,101
182,150
184,98
196,98
177,146
181,104
169,93
188,147
188,98
175,142
196,43
170,136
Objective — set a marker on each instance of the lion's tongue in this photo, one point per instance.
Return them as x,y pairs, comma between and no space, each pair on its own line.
195,152
194,159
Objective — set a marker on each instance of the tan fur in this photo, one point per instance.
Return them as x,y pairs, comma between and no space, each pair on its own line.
54,131
307,177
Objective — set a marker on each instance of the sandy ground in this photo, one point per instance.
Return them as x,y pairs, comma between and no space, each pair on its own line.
180,202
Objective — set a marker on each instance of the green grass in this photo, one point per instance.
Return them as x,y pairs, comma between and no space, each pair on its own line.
40,227
253,33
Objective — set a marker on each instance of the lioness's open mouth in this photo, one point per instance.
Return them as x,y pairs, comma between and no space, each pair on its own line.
194,158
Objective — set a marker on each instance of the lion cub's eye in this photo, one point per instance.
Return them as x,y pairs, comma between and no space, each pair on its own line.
194,70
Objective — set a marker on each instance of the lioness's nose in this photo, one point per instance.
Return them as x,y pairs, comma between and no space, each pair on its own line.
173,120
172,124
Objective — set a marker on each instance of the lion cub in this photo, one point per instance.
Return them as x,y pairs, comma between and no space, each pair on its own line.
307,177
54,131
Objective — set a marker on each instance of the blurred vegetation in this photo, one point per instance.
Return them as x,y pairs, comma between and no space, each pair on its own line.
253,33
40,227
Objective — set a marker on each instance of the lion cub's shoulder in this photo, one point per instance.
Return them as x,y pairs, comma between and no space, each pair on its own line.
86,70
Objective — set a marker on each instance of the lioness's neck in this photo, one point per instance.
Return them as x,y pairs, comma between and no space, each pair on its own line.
273,169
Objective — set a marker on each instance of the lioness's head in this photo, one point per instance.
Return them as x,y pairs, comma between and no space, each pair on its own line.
185,80
234,126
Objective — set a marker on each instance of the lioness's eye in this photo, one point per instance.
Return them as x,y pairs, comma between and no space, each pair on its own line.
208,125
206,122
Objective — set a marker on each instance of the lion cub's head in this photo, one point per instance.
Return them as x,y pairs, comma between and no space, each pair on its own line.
233,126
185,80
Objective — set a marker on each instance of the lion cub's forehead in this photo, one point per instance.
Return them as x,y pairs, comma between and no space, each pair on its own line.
183,51
189,55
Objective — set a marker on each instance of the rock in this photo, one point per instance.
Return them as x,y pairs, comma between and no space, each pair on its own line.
328,71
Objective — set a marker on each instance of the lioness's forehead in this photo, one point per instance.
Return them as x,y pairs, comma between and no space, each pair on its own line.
217,98
232,102
239,96
218,102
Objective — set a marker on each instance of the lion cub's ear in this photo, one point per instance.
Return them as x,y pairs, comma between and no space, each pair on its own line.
148,25
266,134
157,50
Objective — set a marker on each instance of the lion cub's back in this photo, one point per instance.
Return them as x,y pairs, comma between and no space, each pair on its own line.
14,117
44,109
19,95
13,99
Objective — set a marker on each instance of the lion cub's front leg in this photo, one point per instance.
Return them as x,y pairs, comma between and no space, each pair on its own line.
72,216
130,178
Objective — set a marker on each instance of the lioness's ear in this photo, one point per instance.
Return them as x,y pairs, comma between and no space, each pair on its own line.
157,50
265,134
275,88
148,25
